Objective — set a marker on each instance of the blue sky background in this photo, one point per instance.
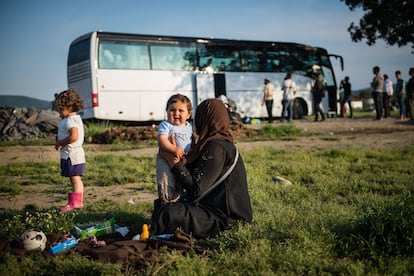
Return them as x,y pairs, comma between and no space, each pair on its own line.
36,34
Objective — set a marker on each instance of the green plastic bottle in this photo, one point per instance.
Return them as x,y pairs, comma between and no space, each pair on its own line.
107,227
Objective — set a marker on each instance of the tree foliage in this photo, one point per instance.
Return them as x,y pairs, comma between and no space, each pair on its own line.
390,20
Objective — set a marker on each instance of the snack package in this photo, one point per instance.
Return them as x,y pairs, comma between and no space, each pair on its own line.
68,241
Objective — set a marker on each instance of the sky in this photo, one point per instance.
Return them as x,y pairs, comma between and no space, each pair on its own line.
36,34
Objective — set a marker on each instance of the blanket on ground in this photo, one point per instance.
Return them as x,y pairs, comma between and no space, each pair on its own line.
118,249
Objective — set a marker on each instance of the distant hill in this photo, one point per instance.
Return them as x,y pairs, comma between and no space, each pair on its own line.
23,101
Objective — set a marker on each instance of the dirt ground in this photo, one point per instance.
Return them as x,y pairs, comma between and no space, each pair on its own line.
333,133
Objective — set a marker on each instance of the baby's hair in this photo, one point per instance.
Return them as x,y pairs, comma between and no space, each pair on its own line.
180,98
69,99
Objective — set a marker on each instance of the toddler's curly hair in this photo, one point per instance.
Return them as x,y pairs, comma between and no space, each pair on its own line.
69,99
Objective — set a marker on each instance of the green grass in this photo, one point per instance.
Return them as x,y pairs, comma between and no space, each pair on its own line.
348,212
19,142
102,170
284,132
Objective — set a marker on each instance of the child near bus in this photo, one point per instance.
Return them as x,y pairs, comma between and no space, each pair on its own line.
69,142
176,127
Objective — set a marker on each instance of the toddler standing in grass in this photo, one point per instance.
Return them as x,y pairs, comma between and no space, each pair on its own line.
69,142
176,126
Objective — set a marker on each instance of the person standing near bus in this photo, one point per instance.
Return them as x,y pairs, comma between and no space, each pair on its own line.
268,98
377,85
346,86
410,93
387,94
318,93
289,91
179,110
399,89
69,142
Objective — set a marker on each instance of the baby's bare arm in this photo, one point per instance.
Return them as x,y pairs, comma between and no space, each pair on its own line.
168,144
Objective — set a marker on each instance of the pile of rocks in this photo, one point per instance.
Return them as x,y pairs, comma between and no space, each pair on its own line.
18,123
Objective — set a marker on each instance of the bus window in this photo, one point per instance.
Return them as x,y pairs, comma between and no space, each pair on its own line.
251,61
288,59
219,58
326,71
308,58
123,55
270,62
79,52
328,75
291,61
137,56
173,57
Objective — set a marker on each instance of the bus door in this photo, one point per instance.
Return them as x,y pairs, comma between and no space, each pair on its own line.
330,86
219,85
333,91
332,98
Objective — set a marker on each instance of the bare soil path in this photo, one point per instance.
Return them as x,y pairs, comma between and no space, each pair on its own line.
333,133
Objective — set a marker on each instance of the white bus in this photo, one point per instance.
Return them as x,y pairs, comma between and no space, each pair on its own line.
129,77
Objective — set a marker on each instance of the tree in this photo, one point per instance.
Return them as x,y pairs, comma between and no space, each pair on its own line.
390,20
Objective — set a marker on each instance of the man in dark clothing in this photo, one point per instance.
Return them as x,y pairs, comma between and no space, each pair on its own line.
410,93
346,86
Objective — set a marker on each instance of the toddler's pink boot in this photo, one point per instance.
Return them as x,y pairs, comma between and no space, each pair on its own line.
75,202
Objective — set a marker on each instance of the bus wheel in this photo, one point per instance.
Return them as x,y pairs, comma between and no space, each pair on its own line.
300,109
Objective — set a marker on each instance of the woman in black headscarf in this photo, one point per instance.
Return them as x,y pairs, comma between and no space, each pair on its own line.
214,176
